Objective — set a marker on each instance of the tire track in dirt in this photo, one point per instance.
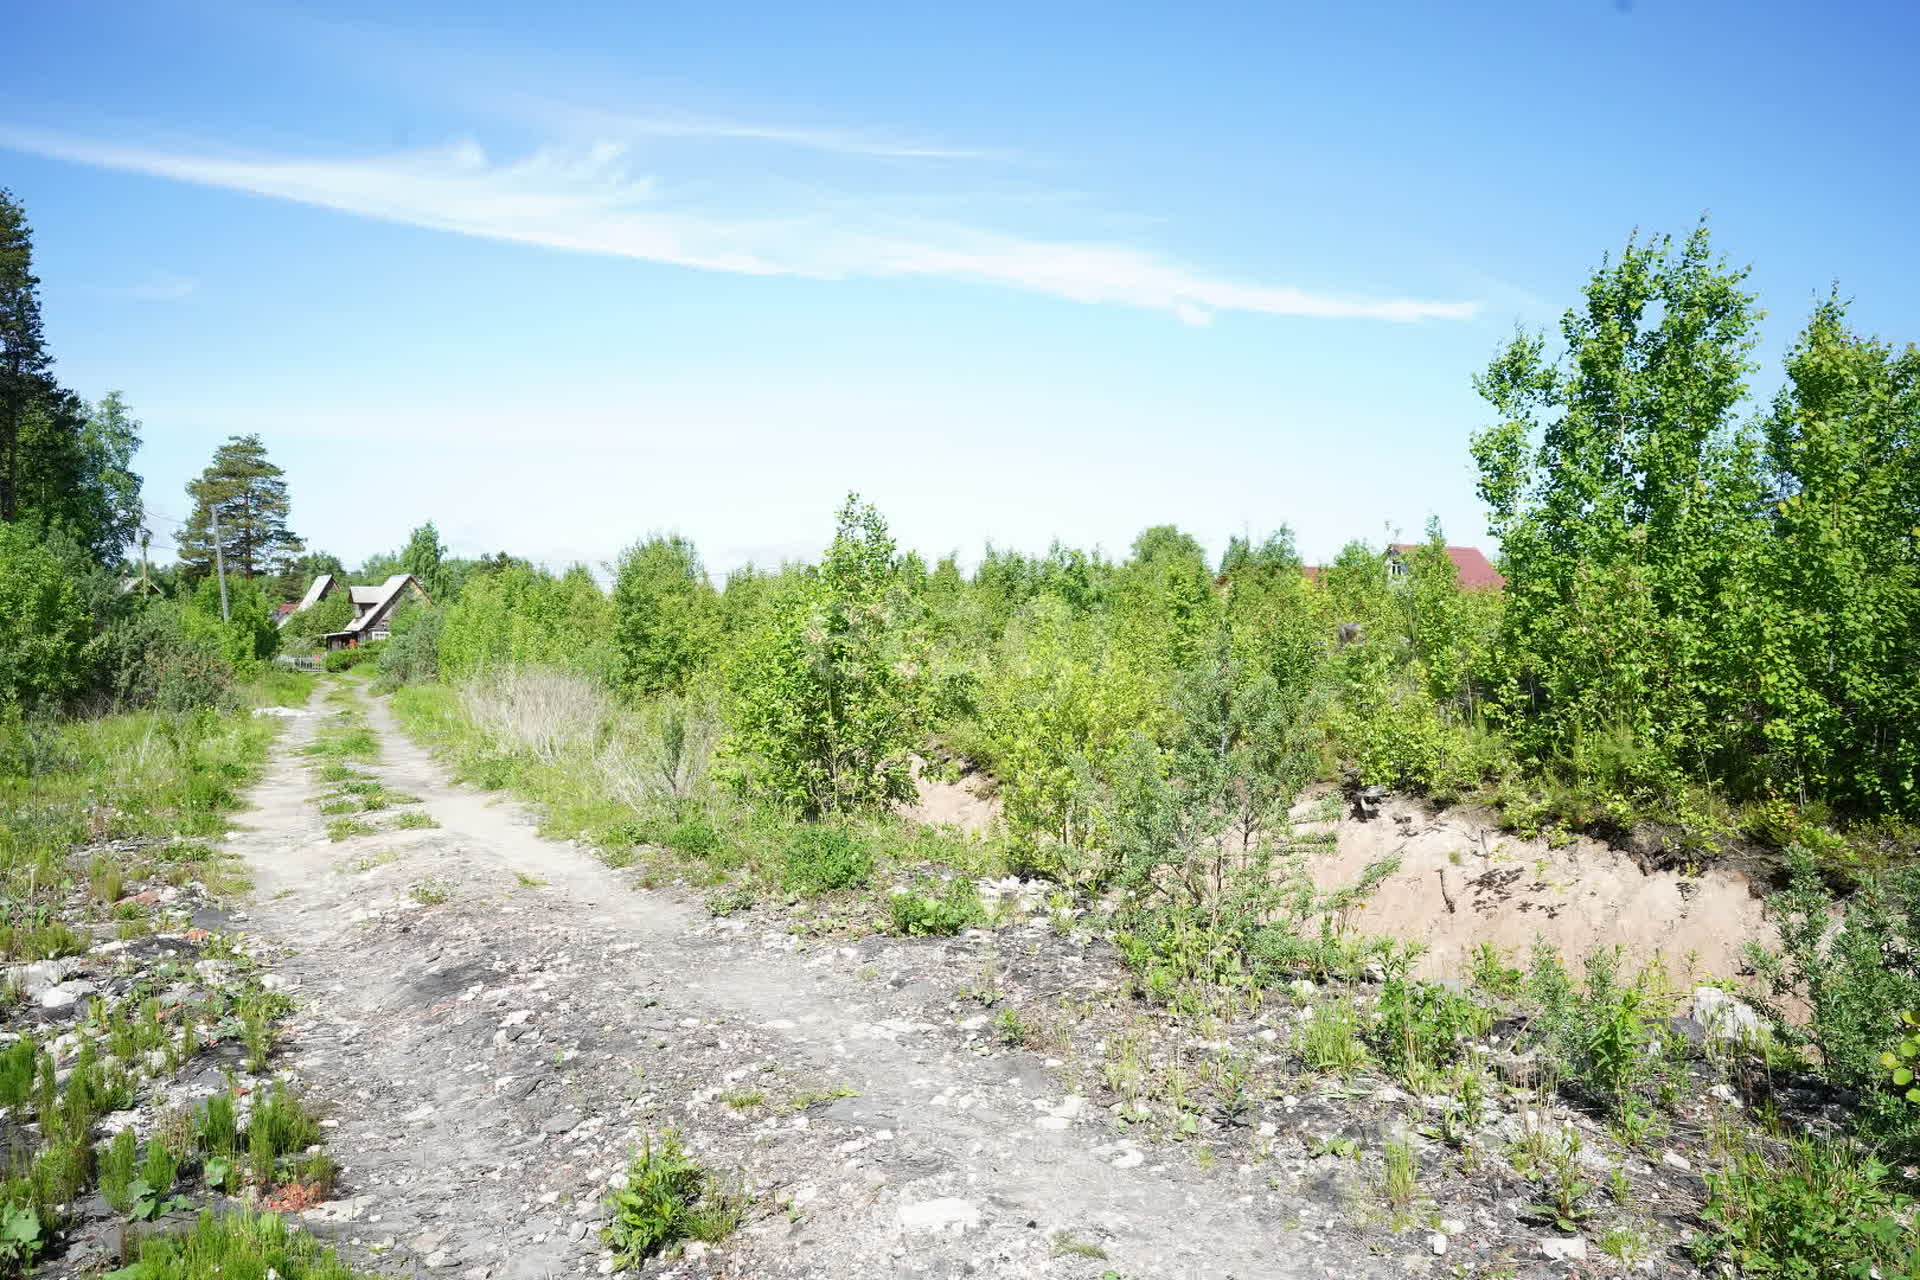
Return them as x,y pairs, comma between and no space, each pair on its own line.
489,1063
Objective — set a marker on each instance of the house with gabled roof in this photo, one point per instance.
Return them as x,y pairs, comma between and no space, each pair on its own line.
373,607
1476,571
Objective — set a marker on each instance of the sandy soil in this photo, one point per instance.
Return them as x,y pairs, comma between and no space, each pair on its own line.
1462,882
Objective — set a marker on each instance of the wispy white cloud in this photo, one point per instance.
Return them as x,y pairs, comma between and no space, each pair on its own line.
597,123
159,286
590,199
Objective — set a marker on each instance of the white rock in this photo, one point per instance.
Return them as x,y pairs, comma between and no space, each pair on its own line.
1437,1242
694,1249
1724,1017
946,1213
438,1258
65,995
1674,1160
1724,1093
1452,1226
1268,1128
1564,1248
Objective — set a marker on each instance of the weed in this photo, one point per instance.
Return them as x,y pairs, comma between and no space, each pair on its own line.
667,1198
1559,1172
115,1169
820,859
914,915
1401,1176
1009,1030
347,829
1628,1246
744,1100
1827,1209
1065,1246
414,820
238,1243
1330,1040
369,861
430,893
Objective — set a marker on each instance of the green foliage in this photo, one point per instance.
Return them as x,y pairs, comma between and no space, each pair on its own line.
1423,1025
821,859
1858,976
249,495
831,692
305,629
248,635
665,614
115,1170
231,1244
914,914
44,626
1826,1209
667,1198
411,652
338,660
520,616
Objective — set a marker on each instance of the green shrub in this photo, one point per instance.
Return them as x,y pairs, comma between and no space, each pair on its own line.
821,859
44,625
915,915
338,660
116,1169
831,692
1423,1024
1828,1209
667,1198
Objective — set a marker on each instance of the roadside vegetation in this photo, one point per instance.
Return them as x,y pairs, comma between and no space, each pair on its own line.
1703,649
1697,655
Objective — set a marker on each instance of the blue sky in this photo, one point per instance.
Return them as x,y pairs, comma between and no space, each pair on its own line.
558,275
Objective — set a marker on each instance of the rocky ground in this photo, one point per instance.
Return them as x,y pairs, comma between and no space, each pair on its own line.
492,1023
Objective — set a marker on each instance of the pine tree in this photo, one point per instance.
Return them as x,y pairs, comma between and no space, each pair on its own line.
251,497
24,362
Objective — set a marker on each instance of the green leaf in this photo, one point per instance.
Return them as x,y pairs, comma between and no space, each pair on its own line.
1903,1077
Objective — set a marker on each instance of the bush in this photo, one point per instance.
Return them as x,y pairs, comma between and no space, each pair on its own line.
830,691
1859,977
44,625
339,660
917,915
412,650
1827,1210
667,1198
822,859
151,658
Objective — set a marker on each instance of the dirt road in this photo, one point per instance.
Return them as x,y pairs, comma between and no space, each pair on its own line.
489,1061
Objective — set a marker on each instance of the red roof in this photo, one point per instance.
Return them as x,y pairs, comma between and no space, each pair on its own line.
1476,572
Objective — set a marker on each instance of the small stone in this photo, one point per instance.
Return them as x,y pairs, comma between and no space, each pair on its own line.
943,1214
1453,1226
695,1249
1564,1248
1724,1093
561,1122
1674,1160
577,1232
1438,1243
1724,1017
1268,1128
438,1258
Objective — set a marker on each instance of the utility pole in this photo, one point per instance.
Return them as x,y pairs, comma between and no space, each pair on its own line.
220,562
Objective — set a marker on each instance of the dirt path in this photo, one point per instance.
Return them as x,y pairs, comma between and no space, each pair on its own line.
490,1061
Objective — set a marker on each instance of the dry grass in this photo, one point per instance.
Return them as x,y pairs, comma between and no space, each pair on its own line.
547,713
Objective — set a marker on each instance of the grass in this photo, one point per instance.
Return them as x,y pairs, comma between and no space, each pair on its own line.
529,882
369,861
580,781
1065,1246
237,1243
347,829
414,820
430,893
